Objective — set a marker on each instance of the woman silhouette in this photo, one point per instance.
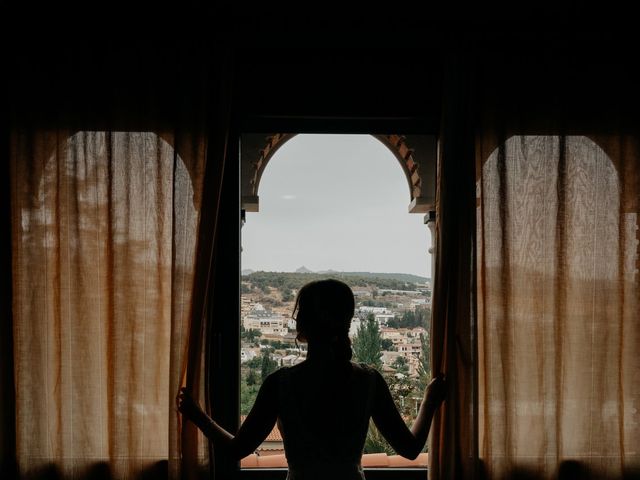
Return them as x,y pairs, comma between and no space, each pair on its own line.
323,405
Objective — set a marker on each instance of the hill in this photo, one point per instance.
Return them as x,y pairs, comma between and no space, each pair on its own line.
295,280
401,277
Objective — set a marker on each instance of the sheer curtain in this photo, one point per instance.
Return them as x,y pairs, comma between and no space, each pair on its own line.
558,307
537,295
104,233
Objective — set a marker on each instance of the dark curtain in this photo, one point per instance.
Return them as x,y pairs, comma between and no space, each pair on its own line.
452,446
114,165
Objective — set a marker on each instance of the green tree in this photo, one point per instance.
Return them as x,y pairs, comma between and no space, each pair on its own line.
387,345
393,322
252,378
255,362
402,388
424,364
269,365
287,296
250,335
248,394
367,344
400,364
420,317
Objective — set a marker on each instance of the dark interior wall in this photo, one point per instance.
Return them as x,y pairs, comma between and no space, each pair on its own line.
321,67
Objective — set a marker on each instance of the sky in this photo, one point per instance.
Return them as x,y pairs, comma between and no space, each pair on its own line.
335,202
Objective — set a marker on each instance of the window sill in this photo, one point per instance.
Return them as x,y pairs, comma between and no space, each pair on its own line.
414,473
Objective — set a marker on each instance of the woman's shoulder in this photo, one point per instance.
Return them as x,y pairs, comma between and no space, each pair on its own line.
274,378
364,369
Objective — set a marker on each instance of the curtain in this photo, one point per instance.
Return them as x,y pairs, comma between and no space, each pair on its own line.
559,318
452,444
104,234
536,296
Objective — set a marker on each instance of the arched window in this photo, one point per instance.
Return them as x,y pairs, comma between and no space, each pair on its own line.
330,204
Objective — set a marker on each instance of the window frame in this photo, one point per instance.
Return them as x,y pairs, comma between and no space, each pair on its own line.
223,341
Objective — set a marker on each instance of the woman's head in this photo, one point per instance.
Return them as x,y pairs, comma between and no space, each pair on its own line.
323,313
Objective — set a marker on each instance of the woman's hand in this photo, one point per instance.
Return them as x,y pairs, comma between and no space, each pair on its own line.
437,390
190,409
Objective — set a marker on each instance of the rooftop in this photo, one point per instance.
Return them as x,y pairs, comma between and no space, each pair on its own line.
369,460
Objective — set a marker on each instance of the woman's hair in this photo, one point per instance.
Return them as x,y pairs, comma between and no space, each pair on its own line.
323,313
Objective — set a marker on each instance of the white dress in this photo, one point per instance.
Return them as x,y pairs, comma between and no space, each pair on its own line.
324,420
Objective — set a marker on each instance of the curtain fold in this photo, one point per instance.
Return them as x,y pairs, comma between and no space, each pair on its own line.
7,383
559,329
452,445
192,441
104,227
558,292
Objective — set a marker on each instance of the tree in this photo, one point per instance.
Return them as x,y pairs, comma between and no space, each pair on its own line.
424,364
287,296
393,322
252,378
250,335
387,345
421,317
255,362
401,365
402,388
248,394
367,344
268,366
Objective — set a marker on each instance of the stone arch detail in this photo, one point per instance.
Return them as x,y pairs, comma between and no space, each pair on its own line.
421,200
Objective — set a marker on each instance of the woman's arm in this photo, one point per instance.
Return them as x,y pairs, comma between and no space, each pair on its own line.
253,431
405,442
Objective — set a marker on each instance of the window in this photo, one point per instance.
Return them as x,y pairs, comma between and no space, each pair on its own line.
326,206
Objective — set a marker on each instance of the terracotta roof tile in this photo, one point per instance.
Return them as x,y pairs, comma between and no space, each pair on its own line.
274,435
369,460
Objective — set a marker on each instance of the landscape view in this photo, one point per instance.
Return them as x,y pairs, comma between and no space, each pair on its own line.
390,332
336,206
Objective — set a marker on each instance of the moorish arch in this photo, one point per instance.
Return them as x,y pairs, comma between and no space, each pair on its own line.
416,155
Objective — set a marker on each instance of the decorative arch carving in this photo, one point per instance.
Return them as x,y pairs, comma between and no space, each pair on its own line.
420,196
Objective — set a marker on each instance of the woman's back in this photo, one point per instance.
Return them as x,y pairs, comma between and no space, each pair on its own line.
324,404
323,415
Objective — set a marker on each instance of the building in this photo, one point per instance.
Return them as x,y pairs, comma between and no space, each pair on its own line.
383,318
265,321
375,310
247,354
393,334
409,349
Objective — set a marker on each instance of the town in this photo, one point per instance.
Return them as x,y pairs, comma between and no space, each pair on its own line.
389,331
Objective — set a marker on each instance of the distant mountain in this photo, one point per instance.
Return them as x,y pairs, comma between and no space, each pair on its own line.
247,271
303,269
